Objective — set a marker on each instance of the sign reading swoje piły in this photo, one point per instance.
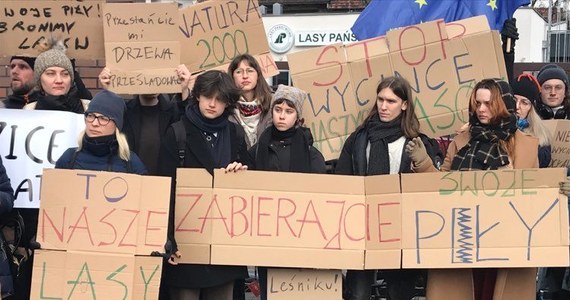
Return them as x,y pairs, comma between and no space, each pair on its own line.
509,218
26,25
142,47
30,141
90,217
442,62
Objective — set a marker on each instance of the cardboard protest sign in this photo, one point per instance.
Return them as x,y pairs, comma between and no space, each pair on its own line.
511,218
30,141
91,275
26,25
142,47
560,142
103,212
441,61
214,32
307,284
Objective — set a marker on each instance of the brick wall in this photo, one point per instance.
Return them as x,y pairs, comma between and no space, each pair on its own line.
347,4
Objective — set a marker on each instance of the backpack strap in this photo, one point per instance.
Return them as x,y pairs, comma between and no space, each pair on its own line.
180,135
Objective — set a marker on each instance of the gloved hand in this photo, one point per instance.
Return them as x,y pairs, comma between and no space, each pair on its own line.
509,31
417,152
565,186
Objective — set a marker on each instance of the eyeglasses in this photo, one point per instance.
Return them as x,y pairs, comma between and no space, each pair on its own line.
103,120
550,88
249,71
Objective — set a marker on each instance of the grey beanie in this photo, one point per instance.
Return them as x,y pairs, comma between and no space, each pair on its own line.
292,94
54,57
552,71
110,105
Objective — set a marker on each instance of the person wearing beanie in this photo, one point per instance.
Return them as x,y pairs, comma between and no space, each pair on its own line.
54,77
102,146
285,146
209,141
377,147
526,91
22,83
554,93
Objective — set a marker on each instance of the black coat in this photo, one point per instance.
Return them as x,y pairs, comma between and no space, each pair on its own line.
197,155
6,205
18,102
132,124
352,160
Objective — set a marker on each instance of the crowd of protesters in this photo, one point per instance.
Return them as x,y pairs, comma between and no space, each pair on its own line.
235,121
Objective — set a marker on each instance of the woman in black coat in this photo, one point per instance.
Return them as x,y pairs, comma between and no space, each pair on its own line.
377,147
6,205
211,142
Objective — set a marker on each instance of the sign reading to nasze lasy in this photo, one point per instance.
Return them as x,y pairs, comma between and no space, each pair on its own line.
30,140
142,47
90,217
26,25
512,218
442,62
214,32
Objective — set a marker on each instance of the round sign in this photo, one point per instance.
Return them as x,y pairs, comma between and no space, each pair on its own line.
280,38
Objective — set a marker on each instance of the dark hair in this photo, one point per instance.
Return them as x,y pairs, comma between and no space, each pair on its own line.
262,91
216,83
400,87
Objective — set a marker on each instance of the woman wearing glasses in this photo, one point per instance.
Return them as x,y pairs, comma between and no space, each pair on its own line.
102,147
252,111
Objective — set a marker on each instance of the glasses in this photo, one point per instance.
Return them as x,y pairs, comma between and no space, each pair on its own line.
249,71
550,88
103,120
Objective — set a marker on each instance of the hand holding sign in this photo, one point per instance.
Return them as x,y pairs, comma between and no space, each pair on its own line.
105,78
186,80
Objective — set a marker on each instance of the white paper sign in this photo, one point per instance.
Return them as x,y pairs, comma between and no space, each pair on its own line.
31,140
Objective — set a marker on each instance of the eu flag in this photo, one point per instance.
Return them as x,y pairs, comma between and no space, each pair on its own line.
383,15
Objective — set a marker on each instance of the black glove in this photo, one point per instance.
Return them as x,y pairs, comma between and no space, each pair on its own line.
509,31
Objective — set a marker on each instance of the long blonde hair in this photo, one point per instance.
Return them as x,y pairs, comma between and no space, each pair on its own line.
124,151
536,128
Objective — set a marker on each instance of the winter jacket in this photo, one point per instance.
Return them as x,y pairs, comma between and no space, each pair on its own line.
18,101
544,156
86,160
352,160
197,155
265,121
6,205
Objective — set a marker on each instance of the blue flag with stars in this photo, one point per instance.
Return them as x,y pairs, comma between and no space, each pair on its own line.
382,15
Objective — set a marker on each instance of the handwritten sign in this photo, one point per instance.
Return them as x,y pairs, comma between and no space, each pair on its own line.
142,47
560,142
26,25
284,284
29,142
82,275
351,222
441,61
514,218
214,32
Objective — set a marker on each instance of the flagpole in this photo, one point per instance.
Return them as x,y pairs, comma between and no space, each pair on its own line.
550,4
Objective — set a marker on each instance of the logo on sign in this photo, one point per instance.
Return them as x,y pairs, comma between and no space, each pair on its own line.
280,38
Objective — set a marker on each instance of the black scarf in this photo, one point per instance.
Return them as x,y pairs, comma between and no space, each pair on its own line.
216,134
18,101
380,134
483,152
295,138
69,102
101,145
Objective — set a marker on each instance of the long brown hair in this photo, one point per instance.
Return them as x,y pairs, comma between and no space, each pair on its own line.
262,91
400,87
497,106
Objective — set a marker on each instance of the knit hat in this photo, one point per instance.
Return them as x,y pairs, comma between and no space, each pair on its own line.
552,71
110,105
526,85
54,57
292,94
29,60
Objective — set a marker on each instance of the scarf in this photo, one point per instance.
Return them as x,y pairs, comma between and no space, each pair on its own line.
248,108
67,102
101,145
380,134
295,139
483,151
216,133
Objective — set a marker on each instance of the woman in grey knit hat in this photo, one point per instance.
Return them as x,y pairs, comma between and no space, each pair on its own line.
54,76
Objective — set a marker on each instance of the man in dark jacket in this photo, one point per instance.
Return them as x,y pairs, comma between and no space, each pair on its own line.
22,83
6,205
